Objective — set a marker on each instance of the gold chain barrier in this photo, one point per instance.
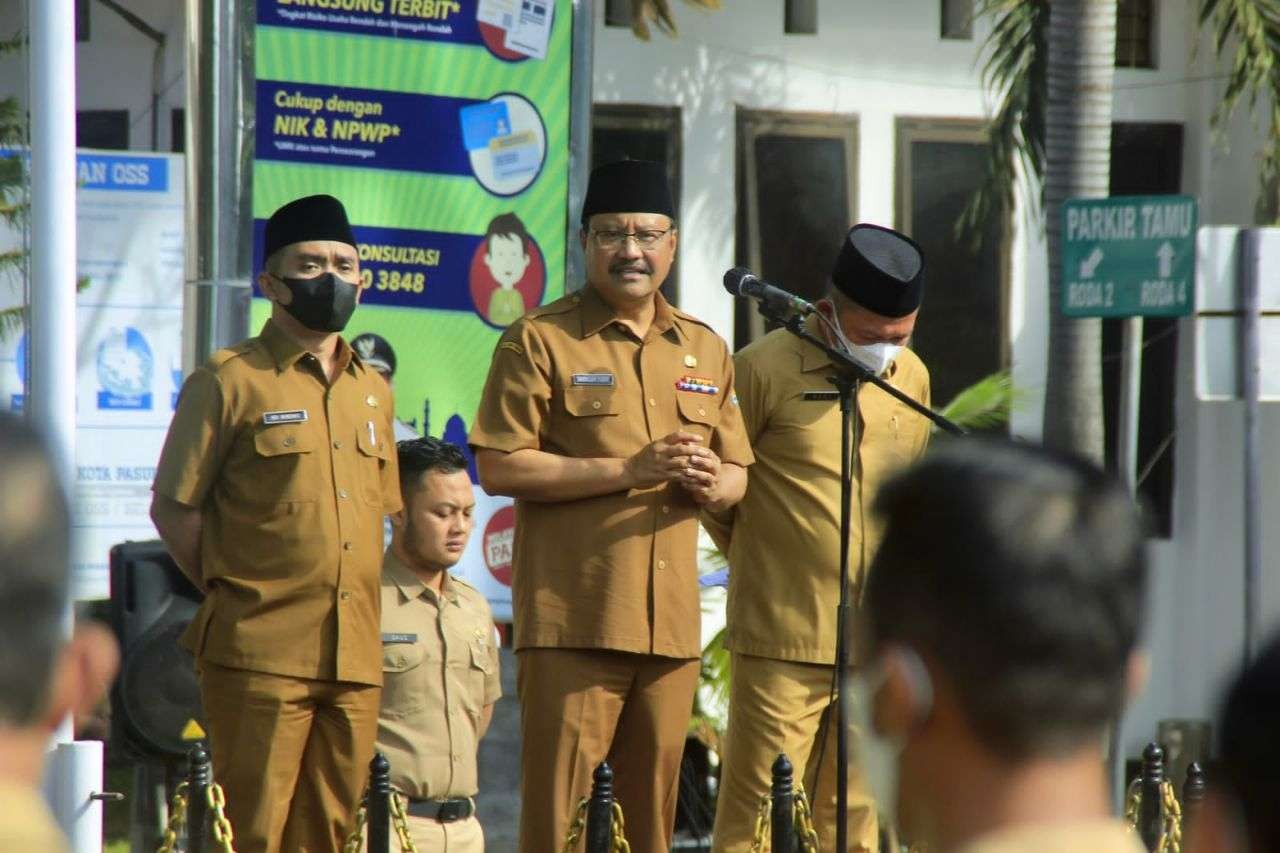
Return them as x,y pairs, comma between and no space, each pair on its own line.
1171,815
576,827
177,819
602,786
802,815
399,822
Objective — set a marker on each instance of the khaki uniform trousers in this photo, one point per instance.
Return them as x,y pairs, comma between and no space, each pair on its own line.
579,707
292,755
432,836
778,706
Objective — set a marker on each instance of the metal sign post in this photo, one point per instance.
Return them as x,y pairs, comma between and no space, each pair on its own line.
1129,257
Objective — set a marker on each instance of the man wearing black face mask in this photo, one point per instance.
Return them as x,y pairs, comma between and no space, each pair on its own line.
270,492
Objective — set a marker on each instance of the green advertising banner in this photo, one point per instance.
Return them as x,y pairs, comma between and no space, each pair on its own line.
443,126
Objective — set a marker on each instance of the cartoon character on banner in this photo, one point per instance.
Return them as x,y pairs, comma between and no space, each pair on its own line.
508,274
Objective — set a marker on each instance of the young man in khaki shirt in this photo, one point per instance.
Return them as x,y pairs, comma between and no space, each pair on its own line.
439,660
270,493
610,417
1000,627
783,540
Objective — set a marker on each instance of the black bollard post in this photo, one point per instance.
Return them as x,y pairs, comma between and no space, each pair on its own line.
379,809
199,773
1151,810
1193,794
600,810
782,829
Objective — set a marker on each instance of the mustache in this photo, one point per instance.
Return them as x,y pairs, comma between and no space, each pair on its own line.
630,266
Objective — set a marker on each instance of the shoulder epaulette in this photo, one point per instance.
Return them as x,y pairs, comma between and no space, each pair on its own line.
691,319
563,305
226,354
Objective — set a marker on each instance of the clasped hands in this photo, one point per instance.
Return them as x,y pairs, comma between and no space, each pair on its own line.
682,457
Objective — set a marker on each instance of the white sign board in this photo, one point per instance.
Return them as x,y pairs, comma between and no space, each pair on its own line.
129,354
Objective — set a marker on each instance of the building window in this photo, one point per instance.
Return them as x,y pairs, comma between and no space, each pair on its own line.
801,18
617,13
642,132
957,19
178,130
1134,20
795,191
963,334
107,129
82,20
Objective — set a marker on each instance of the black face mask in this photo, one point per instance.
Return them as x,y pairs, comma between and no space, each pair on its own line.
322,304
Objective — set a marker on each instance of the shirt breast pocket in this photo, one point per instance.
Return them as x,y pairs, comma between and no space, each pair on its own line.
284,456
403,679
375,451
699,413
594,424
477,674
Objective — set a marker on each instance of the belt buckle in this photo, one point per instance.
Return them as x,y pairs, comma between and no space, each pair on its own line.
453,810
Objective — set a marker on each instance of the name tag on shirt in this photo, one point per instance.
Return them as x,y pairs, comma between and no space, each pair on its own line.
295,416
822,395
593,379
399,638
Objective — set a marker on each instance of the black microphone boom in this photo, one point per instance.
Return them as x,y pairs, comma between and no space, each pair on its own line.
741,281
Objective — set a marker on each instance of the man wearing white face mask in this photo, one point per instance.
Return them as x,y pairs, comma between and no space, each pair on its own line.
1001,620
783,540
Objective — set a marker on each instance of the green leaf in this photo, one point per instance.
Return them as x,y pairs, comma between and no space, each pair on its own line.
986,403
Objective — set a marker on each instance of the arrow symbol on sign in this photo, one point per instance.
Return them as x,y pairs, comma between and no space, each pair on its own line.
1090,264
1165,256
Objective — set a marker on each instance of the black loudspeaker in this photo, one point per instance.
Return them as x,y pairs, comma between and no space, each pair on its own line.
156,696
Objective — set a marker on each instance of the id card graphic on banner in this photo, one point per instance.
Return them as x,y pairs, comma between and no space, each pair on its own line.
450,155
129,214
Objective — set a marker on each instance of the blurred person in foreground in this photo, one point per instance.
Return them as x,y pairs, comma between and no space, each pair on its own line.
43,676
1240,814
1002,615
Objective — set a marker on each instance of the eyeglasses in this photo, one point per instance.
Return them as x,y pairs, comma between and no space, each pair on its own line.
610,240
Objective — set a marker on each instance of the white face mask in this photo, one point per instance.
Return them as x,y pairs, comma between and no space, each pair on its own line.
879,755
876,358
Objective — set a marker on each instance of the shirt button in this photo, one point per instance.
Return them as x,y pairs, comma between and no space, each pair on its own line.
662,564
337,444
342,493
665,509
290,441
347,546
595,404
344,595
652,402
702,411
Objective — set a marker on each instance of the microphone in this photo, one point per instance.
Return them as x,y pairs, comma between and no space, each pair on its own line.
741,281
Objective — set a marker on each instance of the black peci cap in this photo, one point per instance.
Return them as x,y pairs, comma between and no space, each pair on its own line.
375,352
628,186
881,270
316,217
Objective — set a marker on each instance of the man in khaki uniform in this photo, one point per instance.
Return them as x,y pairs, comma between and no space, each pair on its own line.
610,417
270,494
783,540
1000,626
439,660
43,676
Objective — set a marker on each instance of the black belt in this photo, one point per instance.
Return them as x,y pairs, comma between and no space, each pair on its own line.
444,811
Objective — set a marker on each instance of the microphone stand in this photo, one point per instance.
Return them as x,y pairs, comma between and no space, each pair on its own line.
848,380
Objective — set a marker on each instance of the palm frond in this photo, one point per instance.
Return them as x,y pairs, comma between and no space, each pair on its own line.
658,12
12,320
986,403
1252,28
1016,73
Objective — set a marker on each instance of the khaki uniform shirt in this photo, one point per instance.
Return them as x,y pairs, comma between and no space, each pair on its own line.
618,571
293,477
26,823
1101,836
783,540
439,671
